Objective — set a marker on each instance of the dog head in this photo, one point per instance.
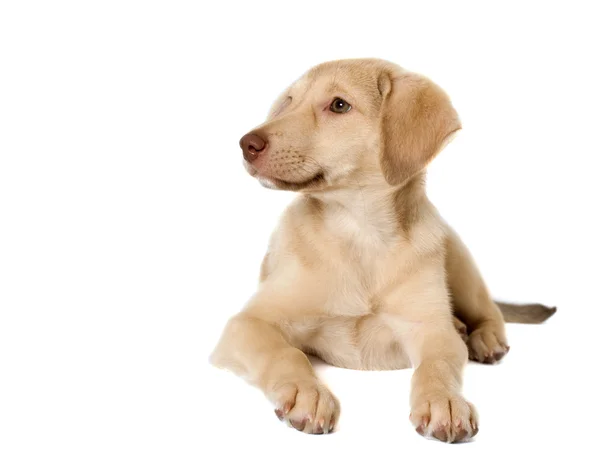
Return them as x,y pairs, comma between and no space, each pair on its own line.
361,121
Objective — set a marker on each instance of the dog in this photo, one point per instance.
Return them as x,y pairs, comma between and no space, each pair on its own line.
362,271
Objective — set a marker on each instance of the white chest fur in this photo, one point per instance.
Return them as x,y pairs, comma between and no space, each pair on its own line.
356,254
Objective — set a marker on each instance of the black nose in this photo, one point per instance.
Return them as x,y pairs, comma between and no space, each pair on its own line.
252,145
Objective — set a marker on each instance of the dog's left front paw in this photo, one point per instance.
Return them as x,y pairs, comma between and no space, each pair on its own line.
448,418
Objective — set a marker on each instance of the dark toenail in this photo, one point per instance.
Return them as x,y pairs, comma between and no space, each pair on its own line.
462,434
298,425
441,435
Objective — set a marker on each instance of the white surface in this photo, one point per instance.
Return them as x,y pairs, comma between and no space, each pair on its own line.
126,216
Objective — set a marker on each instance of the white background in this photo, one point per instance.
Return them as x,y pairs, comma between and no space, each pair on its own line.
130,233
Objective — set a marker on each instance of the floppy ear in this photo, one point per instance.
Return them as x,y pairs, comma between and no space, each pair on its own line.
417,121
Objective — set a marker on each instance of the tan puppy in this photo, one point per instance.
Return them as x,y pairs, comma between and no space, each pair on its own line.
362,271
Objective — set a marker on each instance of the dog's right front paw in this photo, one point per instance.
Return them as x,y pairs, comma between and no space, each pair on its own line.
307,406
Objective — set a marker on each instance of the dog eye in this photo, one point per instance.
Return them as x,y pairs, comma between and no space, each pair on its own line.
339,106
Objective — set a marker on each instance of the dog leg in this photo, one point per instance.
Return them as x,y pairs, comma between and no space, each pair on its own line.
258,351
421,318
438,409
473,304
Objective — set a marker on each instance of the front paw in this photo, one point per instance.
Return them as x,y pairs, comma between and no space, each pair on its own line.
447,418
307,406
487,343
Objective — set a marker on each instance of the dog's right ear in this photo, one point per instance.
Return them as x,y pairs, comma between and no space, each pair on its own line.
417,121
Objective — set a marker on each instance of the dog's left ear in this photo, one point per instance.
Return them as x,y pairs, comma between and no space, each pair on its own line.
417,121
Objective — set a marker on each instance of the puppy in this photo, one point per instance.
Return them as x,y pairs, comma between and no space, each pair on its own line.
362,271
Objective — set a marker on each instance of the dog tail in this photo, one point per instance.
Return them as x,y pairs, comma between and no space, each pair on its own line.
531,313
